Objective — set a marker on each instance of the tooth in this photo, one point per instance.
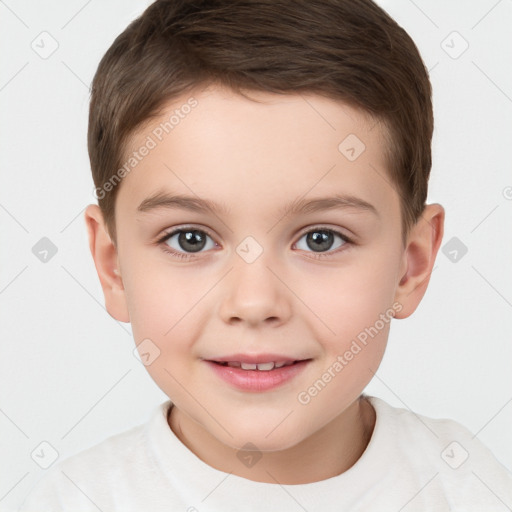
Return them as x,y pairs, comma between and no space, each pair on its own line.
278,365
265,366
249,366
233,364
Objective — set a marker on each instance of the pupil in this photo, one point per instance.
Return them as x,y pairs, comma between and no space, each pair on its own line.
192,241
320,240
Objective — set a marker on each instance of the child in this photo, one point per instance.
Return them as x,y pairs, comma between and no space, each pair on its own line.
261,169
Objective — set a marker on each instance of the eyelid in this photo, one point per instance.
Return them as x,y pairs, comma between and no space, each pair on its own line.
186,256
347,244
172,231
324,227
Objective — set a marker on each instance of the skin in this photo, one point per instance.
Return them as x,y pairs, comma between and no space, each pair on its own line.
254,157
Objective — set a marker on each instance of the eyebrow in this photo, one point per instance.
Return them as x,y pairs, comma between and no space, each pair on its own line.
163,200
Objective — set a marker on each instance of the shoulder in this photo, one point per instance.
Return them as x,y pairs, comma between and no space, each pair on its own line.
120,462
462,465
429,433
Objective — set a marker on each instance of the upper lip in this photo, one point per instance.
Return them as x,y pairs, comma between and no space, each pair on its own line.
256,358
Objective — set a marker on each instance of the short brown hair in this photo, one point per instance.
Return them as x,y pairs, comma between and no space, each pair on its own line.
348,50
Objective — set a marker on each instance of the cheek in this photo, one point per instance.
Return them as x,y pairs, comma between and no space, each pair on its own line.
161,301
348,299
165,307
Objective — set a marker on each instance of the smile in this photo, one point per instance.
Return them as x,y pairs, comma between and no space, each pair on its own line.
255,366
258,376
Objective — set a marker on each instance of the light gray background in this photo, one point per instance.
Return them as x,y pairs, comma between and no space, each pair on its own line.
68,373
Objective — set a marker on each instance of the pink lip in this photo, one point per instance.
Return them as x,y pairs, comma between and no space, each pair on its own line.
257,380
257,358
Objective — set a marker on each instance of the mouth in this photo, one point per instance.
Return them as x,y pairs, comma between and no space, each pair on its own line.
257,373
262,367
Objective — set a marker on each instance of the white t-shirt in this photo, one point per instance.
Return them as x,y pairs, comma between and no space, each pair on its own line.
412,463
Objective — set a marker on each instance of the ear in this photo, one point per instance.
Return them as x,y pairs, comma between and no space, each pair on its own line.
418,259
105,258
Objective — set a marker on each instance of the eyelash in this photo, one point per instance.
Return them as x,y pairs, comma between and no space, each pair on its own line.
189,256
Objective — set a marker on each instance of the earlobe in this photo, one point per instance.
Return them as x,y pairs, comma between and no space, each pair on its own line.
419,256
105,258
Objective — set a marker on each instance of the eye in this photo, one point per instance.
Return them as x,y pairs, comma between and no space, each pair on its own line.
321,240
186,241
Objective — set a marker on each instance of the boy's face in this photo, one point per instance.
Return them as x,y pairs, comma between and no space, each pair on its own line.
259,286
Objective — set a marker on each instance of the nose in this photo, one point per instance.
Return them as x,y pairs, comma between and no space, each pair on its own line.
255,294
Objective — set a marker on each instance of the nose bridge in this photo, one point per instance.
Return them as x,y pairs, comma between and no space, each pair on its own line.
252,292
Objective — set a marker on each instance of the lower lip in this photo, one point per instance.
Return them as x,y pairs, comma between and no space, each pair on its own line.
257,380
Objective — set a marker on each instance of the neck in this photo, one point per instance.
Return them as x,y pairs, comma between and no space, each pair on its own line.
327,453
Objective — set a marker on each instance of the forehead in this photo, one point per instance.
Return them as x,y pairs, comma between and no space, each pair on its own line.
256,153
